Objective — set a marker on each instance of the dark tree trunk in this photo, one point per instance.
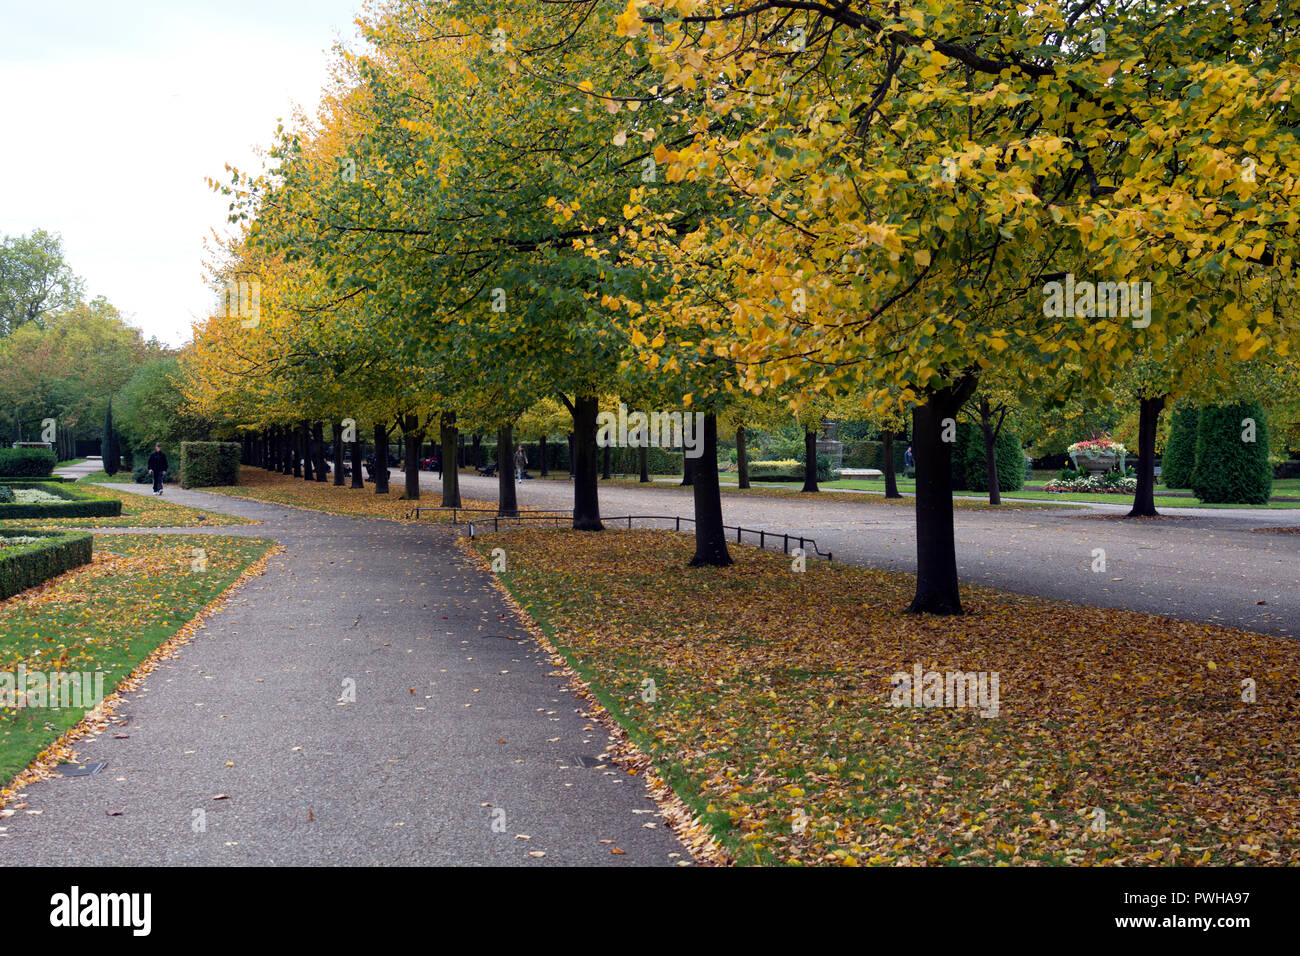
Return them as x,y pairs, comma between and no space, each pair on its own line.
507,503
643,460
710,536
381,459
809,461
338,454
299,442
586,497
688,470
460,450
288,449
318,445
990,433
449,435
936,549
891,477
410,460
477,441
545,471
570,456
742,459
358,454
604,471
308,453
1144,498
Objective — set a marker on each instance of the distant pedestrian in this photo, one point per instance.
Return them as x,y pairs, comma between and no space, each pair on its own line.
909,463
157,468
521,462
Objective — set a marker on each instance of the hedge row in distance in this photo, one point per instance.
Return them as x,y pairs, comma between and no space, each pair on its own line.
24,566
27,462
205,464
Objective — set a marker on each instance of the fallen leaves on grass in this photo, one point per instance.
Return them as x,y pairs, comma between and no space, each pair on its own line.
138,511
1116,740
257,484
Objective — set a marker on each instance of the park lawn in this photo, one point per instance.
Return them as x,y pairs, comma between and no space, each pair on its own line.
108,616
258,484
138,511
771,705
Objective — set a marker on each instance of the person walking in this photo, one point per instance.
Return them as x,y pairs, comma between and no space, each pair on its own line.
157,468
909,463
521,462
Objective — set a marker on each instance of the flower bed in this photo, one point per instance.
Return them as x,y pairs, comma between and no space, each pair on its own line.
1111,484
41,499
31,557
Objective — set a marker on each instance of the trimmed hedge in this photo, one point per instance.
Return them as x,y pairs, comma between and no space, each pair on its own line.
776,470
1228,469
27,462
208,463
24,566
1178,463
970,470
75,503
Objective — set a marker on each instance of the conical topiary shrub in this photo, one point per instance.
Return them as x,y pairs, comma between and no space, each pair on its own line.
1178,464
111,451
1232,455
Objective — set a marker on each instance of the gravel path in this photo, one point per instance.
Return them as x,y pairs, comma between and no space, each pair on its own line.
1193,564
457,716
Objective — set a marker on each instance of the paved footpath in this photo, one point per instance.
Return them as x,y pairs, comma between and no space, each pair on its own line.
457,717
1198,564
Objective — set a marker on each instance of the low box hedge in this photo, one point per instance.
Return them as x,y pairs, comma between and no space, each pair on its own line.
75,503
27,462
26,565
775,471
208,463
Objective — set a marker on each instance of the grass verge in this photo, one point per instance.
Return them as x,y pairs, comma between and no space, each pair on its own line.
107,617
1121,738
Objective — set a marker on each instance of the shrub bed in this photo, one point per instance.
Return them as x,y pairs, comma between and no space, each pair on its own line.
785,470
206,464
1110,484
73,504
27,558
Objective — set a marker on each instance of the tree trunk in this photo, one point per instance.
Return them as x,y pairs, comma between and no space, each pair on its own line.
460,449
710,536
809,461
586,497
338,454
604,471
891,476
936,549
381,459
688,470
318,445
545,471
570,456
643,456
300,442
742,459
1144,498
507,503
358,453
449,433
411,464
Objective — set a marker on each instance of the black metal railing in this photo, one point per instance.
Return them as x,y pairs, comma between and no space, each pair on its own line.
761,534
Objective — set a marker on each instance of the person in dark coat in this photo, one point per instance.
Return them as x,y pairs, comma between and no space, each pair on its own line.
157,468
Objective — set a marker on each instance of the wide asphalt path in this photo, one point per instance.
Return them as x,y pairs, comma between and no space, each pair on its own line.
459,723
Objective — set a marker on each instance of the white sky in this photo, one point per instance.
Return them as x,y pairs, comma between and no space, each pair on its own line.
113,112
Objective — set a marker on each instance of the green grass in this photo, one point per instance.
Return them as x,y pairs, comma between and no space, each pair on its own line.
108,617
138,511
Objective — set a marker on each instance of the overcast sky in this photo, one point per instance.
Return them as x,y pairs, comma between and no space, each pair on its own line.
113,112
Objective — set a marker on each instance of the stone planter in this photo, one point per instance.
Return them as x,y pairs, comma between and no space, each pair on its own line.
1097,463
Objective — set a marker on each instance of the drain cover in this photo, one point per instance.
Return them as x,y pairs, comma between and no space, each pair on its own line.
80,769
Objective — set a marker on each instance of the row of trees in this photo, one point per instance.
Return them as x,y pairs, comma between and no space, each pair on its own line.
771,208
